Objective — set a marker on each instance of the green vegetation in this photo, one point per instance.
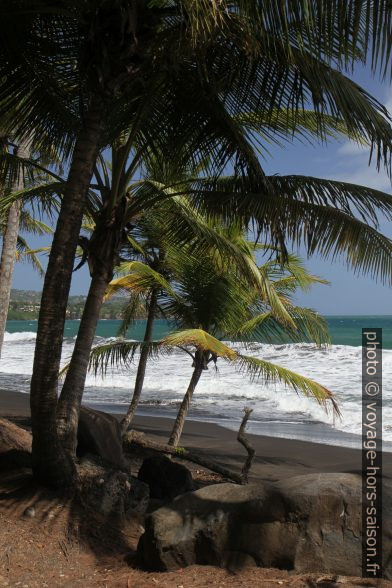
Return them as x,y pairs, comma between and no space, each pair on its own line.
210,85
212,301
24,305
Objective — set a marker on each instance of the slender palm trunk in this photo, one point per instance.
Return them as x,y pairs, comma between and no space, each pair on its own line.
8,251
68,407
141,369
184,408
51,464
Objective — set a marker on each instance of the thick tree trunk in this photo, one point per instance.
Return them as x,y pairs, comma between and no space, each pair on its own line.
8,251
184,408
141,369
103,256
68,407
51,464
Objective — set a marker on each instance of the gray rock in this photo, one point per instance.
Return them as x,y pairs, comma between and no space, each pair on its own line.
200,527
29,512
99,433
111,491
166,478
328,510
307,523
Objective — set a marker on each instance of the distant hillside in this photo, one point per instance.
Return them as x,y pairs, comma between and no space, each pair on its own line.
24,305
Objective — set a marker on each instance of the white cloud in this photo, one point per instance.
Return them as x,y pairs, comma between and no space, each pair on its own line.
351,148
353,164
366,175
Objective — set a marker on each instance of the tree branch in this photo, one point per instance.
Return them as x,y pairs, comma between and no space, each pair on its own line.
248,446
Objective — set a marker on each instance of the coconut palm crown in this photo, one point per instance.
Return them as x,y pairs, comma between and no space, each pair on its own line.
208,303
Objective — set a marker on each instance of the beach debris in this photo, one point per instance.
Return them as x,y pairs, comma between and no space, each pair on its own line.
246,443
132,441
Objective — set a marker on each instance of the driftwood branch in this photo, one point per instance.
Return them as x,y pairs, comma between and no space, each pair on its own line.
248,446
139,439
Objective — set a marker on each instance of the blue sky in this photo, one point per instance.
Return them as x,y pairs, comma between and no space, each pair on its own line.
347,293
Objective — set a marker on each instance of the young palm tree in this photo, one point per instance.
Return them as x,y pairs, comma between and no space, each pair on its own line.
22,252
210,303
115,62
10,234
18,171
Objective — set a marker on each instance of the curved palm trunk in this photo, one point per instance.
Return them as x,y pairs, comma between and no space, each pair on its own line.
184,408
51,465
68,407
8,251
141,369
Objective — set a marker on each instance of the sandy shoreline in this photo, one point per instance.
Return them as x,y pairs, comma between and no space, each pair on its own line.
276,458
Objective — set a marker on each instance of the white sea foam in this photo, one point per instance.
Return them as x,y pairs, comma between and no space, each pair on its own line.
21,336
223,394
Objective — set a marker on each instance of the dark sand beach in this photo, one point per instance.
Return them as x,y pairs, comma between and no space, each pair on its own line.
275,459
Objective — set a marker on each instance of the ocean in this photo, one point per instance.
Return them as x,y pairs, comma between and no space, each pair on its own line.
222,394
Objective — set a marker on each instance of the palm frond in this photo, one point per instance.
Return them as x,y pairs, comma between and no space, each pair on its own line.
140,279
259,368
133,308
32,225
201,340
119,353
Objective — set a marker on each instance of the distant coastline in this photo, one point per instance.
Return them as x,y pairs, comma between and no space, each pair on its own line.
24,306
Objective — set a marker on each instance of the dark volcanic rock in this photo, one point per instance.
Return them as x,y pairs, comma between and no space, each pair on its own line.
166,479
202,526
110,491
307,523
99,433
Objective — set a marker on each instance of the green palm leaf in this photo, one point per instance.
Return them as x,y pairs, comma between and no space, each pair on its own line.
140,279
258,368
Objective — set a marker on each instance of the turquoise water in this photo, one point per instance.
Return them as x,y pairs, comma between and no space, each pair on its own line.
345,330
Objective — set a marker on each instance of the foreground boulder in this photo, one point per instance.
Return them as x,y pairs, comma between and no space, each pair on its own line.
307,523
201,527
15,446
166,478
99,434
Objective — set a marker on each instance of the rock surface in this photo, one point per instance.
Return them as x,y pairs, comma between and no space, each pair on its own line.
166,479
99,433
110,491
307,523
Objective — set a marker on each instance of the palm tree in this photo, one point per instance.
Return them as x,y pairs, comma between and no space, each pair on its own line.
23,252
115,62
10,240
18,171
208,302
